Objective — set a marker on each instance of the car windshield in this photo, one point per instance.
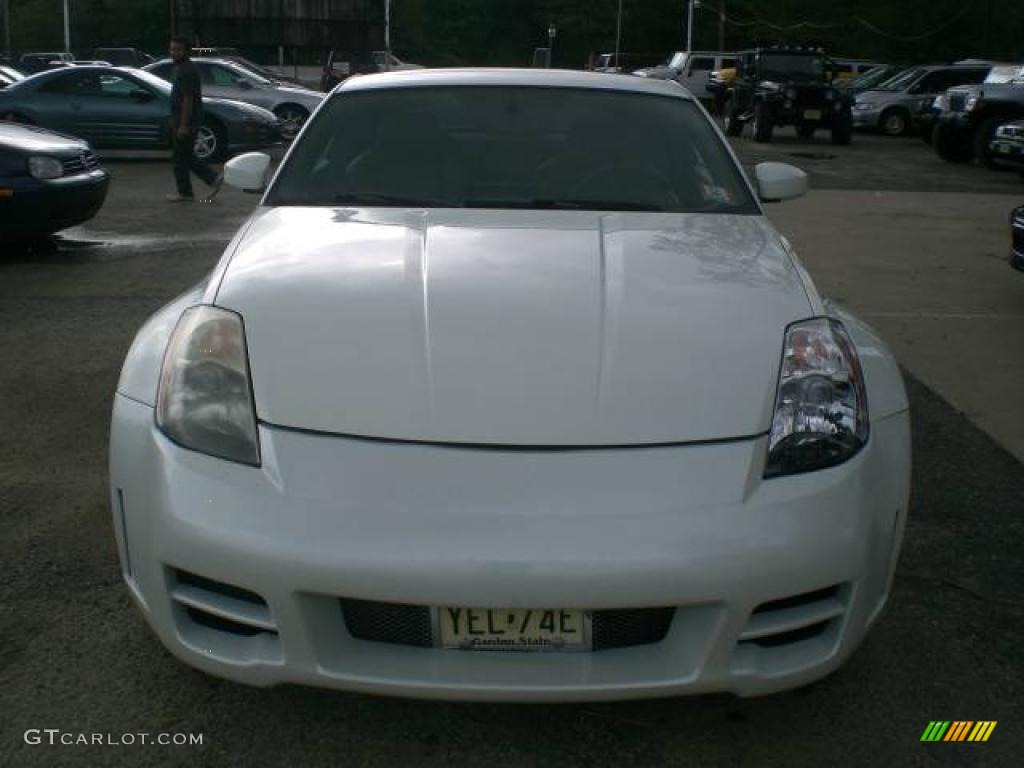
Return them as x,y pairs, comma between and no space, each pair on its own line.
512,147
243,71
901,81
784,66
875,77
675,61
154,82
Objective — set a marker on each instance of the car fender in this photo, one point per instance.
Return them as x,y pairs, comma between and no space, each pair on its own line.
140,373
887,394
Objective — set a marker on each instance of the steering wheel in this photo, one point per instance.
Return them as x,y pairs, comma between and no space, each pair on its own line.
618,171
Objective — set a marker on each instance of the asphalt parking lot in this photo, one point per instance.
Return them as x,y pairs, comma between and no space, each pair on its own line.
914,244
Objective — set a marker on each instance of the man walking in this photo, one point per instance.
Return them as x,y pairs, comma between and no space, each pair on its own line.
186,117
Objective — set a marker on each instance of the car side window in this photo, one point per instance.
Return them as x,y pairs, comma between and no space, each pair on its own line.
702,64
966,77
116,87
930,83
163,71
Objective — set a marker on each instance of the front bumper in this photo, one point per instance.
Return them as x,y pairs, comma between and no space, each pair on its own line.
866,118
254,135
1008,152
693,528
33,207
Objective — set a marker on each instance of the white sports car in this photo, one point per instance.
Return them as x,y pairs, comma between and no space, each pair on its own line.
508,390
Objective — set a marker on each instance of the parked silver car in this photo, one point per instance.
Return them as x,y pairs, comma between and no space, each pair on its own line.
891,106
227,80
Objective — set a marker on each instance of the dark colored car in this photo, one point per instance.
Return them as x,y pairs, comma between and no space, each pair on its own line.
775,87
30,63
1007,146
1017,250
9,76
48,181
115,108
341,65
967,124
123,57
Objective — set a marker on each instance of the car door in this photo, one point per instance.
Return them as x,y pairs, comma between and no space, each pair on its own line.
112,109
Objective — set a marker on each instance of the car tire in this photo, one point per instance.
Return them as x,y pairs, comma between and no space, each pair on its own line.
763,127
983,136
947,147
211,142
733,124
894,122
842,129
292,119
806,132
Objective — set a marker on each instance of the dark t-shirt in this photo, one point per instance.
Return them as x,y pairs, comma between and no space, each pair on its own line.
187,87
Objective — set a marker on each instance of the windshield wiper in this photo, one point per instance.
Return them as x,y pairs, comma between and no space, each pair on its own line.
368,198
565,205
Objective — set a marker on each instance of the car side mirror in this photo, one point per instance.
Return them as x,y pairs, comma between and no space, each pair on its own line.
780,181
141,95
248,172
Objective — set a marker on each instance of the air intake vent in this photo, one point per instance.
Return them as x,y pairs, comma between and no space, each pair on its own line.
223,607
793,619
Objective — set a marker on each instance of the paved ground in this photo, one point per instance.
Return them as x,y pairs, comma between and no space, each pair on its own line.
75,656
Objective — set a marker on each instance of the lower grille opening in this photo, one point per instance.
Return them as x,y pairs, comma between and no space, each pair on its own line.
393,623
412,625
221,624
627,628
794,636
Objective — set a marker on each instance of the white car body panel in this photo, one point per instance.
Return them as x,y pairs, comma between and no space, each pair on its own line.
514,327
563,341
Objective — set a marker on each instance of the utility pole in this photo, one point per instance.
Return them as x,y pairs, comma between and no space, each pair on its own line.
387,29
689,26
7,28
618,38
721,25
67,26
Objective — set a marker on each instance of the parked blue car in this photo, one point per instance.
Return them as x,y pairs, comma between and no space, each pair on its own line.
47,182
115,108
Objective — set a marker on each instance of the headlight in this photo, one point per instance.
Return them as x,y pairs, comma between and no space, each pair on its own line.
941,103
204,401
972,102
821,410
45,167
861,106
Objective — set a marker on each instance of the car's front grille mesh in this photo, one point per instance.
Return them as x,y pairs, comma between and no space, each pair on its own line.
84,163
626,628
388,622
402,624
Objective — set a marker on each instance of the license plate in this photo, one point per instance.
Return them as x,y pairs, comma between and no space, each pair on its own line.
515,629
1003,149
812,114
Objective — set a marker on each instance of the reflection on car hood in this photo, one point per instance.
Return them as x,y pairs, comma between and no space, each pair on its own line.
514,327
239,108
31,139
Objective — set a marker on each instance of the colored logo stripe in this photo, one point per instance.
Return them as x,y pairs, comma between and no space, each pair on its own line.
935,730
958,730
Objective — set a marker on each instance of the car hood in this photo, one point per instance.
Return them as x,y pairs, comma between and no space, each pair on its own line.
238,108
514,327
28,138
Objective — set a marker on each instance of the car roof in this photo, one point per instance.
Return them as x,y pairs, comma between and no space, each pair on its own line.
541,78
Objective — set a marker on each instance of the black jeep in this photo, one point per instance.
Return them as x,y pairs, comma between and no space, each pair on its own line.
787,86
969,118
